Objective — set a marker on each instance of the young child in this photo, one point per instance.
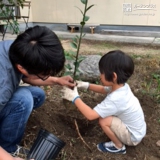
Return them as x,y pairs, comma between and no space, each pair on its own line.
120,114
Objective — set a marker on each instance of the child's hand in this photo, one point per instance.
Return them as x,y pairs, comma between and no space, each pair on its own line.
81,84
70,94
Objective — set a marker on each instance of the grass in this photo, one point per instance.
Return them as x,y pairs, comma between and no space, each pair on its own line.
151,86
106,45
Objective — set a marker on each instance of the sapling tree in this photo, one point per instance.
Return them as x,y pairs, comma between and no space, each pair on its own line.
74,55
76,43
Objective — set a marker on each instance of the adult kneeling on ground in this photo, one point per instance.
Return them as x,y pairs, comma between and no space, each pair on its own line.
35,56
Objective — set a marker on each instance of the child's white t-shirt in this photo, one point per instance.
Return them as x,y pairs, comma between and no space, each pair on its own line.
123,104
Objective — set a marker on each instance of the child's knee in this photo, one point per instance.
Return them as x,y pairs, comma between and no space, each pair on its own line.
106,121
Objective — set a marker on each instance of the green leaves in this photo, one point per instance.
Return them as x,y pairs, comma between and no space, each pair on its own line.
76,42
82,23
6,11
80,10
86,18
89,7
74,45
84,1
19,2
68,66
70,55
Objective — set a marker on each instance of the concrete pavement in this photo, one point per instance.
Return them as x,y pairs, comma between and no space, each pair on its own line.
102,37
112,38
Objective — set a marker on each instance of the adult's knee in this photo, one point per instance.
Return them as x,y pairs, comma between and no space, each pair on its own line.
24,99
41,94
38,95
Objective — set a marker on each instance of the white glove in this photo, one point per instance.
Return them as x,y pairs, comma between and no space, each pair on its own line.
81,84
70,94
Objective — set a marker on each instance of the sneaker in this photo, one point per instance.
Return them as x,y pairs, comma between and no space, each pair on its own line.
110,147
20,152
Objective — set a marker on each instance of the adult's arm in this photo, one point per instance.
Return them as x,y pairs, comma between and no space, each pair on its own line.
63,81
5,87
6,156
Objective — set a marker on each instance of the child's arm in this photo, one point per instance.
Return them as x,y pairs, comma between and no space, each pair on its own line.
72,95
87,111
93,87
99,88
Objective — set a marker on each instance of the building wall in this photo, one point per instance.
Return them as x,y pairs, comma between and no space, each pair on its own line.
25,11
105,12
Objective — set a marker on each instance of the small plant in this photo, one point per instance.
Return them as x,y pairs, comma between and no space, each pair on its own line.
157,78
8,11
152,86
63,155
76,43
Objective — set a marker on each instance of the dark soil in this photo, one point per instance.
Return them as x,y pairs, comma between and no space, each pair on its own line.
55,117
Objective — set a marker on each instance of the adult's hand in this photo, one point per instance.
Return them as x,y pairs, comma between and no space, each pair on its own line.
63,81
66,81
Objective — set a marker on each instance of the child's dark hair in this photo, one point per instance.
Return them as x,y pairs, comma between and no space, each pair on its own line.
39,51
118,62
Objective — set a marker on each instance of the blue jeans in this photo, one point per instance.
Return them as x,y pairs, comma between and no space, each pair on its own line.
15,114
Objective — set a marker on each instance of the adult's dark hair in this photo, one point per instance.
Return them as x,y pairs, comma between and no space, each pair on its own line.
118,62
38,50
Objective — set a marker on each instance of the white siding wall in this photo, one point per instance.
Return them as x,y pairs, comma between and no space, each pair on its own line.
109,12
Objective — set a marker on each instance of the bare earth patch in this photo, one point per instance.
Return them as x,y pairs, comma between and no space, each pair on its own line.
59,120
